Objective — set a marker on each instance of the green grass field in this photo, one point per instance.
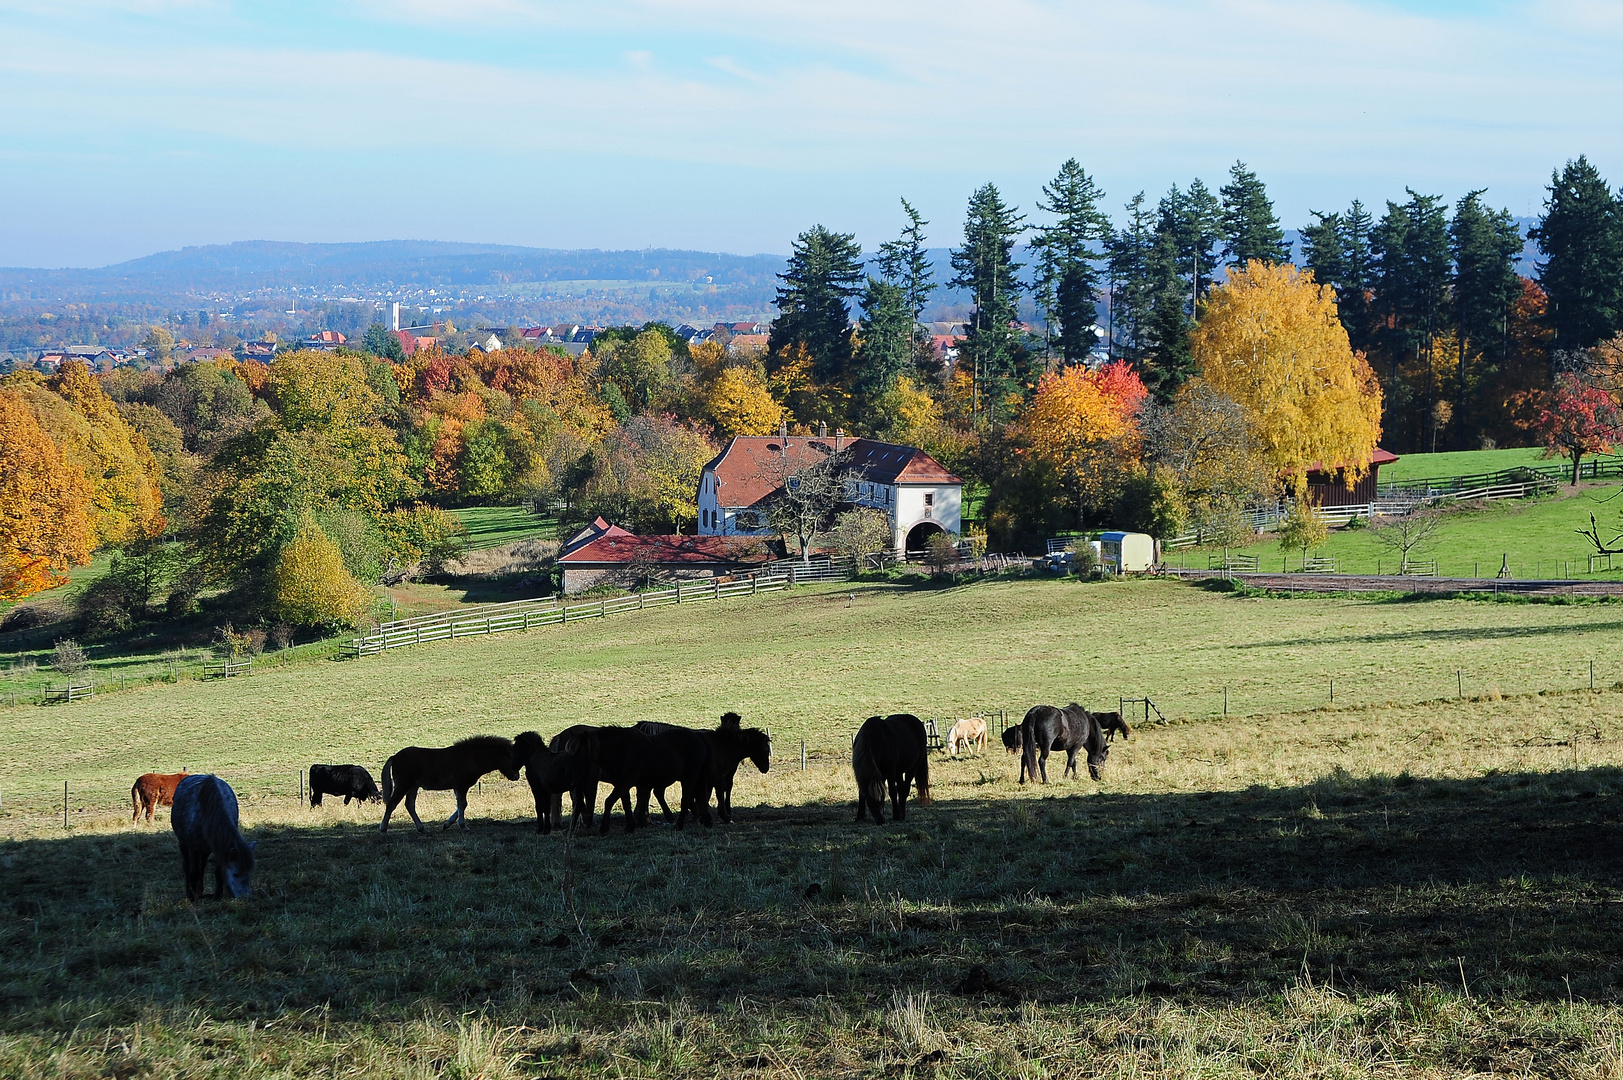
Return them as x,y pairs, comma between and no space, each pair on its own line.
1539,536
1402,882
1463,463
493,526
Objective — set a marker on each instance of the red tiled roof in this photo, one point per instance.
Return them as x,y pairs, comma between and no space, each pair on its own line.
1378,458
749,469
620,547
599,527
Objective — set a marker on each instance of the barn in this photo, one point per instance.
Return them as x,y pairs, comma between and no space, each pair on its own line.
1329,488
611,555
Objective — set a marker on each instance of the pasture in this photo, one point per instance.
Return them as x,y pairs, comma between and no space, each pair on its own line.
1402,881
493,526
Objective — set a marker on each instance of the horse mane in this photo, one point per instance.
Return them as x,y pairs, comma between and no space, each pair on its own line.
869,776
526,743
730,721
484,742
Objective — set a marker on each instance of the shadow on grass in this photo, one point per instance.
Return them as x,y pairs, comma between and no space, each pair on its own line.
1509,882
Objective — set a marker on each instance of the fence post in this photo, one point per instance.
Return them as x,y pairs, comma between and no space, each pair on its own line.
602,607
755,584
1225,701
678,590
64,804
717,582
802,755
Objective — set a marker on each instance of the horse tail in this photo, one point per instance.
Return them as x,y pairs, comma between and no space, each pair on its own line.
135,800
870,778
923,776
388,779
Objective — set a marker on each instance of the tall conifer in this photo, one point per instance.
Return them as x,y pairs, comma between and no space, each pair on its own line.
985,266
1067,281
1581,235
824,273
1250,229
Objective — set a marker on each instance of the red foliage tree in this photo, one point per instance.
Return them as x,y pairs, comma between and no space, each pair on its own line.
1579,419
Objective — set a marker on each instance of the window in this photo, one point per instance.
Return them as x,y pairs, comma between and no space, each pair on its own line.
929,498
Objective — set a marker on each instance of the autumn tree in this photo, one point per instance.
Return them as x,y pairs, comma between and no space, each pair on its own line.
738,402
1303,528
1205,442
862,532
1270,341
1579,420
310,585
806,495
1084,423
44,526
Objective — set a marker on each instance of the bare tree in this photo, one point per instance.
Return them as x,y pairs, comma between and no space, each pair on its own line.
1409,535
804,504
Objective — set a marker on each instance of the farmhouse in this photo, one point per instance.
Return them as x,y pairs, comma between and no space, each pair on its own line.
602,552
912,488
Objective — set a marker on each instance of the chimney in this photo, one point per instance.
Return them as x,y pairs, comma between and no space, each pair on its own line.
839,439
783,429
822,429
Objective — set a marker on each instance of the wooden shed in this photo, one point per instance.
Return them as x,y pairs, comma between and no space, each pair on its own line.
1330,488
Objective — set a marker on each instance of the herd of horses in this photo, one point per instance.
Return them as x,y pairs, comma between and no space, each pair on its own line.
889,759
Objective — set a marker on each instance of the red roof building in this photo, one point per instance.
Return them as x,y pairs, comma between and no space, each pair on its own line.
917,493
613,555
1331,488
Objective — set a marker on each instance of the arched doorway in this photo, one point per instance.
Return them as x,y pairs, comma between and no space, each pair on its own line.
919,535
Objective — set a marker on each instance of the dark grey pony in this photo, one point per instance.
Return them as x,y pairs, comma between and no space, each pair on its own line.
205,822
890,753
1069,729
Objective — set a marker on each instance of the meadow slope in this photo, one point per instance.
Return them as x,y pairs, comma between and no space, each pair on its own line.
1403,882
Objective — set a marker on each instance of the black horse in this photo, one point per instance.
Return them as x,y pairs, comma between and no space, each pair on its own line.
550,773
579,739
1070,729
890,752
637,760
730,744
682,755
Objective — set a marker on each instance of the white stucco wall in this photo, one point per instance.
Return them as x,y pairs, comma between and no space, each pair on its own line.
947,508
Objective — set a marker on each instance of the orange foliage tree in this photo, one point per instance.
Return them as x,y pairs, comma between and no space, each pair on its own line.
1270,340
44,526
1084,423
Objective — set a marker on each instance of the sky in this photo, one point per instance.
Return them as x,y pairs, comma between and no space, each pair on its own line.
134,126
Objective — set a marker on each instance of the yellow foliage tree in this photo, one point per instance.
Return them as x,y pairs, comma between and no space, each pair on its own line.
44,528
739,403
1270,340
126,501
309,585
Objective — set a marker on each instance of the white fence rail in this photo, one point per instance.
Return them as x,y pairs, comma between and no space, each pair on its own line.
549,611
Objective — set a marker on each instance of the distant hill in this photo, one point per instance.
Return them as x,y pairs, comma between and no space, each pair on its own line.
253,266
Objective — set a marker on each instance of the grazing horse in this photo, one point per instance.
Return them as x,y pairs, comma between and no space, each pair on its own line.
205,822
550,773
890,751
152,790
449,768
1070,729
730,744
969,733
350,781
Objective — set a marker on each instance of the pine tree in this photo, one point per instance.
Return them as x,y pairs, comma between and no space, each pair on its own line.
985,266
1485,246
886,332
906,262
1353,292
1067,279
1250,229
824,272
1323,251
1581,235
1131,288
1168,362
1191,222
1411,295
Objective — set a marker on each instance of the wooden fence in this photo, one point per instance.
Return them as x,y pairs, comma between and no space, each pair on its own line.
551,611
71,693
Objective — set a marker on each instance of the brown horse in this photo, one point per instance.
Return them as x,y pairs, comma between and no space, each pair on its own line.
449,768
730,744
550,773
152,790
